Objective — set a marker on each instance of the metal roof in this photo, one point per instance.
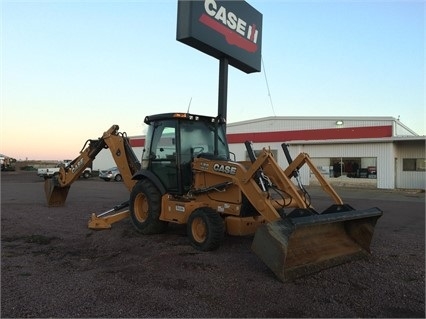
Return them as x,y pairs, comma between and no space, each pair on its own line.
292,123
392,139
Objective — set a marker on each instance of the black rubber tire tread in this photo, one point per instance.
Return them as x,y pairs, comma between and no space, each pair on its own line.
87,174
215,229
152,224
118,178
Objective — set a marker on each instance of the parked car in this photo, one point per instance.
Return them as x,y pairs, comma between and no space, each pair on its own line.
111,174
53,171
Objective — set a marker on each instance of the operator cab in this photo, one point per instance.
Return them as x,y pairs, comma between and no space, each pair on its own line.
174,139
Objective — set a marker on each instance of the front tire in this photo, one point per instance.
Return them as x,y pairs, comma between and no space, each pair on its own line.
145,208
206,229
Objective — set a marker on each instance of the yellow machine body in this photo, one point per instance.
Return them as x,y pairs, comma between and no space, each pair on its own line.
255,197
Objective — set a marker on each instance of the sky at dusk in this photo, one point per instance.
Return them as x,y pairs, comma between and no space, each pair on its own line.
71,69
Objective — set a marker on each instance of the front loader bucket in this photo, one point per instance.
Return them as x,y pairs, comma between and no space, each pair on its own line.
294,247
55,195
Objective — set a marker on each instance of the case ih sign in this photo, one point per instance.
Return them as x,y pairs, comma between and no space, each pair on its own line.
231,29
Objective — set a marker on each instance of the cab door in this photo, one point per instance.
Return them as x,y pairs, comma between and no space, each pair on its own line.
162,155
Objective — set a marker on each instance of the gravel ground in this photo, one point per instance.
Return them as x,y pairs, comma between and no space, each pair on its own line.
52,265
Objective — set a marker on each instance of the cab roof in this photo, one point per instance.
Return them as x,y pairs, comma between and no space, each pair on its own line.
183,116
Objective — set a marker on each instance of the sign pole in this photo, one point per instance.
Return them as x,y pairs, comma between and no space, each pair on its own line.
223,88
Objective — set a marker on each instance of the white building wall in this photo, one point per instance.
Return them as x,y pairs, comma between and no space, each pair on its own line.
388,158
383,152
409,179
104,159
386,155
386,167
274,124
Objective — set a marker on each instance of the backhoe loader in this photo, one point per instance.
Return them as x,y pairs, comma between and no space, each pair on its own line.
186,176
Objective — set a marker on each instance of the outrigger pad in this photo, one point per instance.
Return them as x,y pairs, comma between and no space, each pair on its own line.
295,247
55,195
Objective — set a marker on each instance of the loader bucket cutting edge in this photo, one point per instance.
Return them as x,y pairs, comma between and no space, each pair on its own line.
295,247
55,195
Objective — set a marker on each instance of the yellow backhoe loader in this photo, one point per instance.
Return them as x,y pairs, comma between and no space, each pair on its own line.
186,176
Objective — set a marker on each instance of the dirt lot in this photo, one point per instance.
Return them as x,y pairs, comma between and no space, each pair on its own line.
52,265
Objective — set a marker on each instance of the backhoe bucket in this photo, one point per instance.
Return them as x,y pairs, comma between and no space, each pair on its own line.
55,195
297,246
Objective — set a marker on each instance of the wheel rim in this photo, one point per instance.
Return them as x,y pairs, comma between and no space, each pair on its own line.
199,230
141,207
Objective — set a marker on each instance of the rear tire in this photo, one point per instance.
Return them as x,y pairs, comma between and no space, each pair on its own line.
145,208
86,174
118,178
206,229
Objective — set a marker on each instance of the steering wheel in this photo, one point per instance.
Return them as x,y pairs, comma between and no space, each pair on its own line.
197,150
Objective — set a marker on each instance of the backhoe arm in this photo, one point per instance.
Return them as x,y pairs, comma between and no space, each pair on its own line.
57,188
68,175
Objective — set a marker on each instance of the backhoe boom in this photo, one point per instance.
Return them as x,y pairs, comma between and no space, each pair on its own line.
57,188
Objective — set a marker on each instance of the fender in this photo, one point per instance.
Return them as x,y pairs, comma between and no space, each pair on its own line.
152,177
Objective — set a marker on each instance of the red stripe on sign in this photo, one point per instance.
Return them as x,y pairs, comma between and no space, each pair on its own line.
231,37
313,135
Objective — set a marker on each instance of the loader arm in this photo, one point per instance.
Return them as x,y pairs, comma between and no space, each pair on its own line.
277,178
57,188
304,158
246,178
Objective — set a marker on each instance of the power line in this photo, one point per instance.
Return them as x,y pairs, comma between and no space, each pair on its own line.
267,86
